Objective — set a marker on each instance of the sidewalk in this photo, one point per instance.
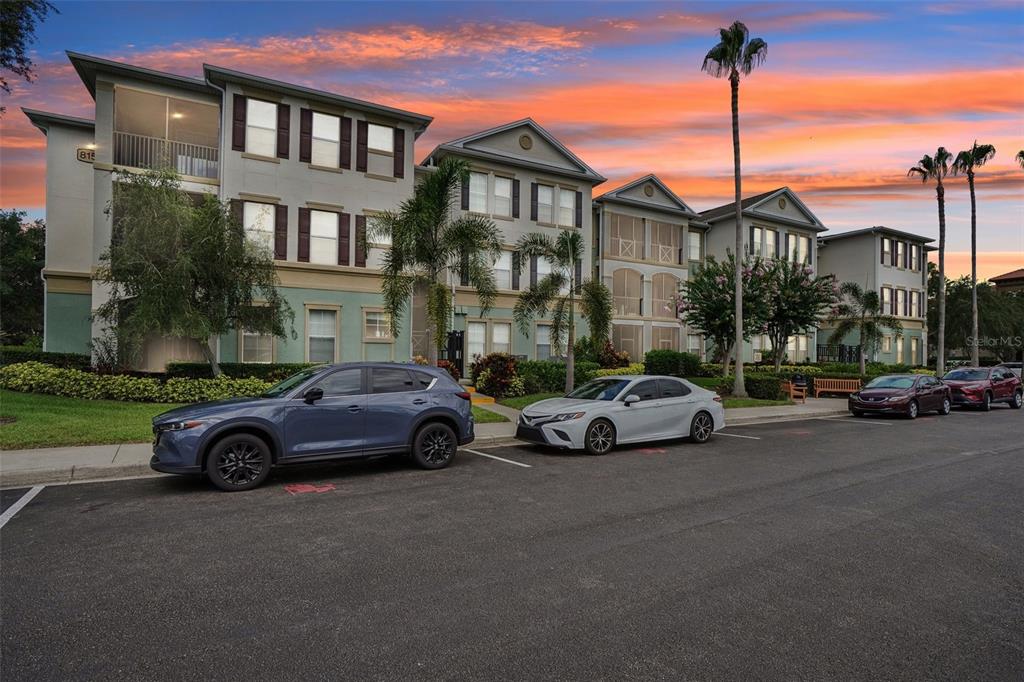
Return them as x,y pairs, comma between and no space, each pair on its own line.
57,466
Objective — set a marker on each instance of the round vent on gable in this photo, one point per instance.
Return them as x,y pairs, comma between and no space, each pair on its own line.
782,202
649,190
525,141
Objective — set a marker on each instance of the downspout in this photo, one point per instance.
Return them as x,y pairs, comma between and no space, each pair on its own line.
221,156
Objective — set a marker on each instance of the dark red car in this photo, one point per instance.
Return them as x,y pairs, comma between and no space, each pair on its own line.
905,394
982,386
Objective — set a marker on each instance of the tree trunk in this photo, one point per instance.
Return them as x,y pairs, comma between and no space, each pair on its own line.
570,356
974,272
940,351
211,357
778,358
726,358
738,388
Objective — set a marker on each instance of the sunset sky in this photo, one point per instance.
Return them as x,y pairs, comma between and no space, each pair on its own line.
851,95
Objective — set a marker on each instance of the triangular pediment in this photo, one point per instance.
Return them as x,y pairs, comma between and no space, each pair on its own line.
649,191
784,203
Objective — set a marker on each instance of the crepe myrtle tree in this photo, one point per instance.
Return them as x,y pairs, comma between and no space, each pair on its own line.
561,291
860,310
431,241
178,265
796,301
707,301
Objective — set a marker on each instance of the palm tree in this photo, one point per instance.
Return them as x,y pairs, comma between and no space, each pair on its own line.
965,163
862,312
561,290
737,53
429,242
1020,158
936,168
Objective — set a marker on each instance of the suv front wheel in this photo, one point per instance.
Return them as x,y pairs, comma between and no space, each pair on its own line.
238,462
434,446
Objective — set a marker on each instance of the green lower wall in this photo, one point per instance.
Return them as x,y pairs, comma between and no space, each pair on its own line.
521,343
853,339
67,324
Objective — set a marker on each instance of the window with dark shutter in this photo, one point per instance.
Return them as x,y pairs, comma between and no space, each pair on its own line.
305,135
360,241
751,250
533,201
345,151
882,251
399,153
238,124
362,131
579,275
344,225
464,270
516,268
515,199
281,232
284,114
303,234
579,209
533,271
465,195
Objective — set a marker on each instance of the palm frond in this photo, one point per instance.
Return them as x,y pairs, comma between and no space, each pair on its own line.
535,244
596,306
560,322
1020,158
753,55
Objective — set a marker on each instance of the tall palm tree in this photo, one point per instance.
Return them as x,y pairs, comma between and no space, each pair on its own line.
1020,158
935,168
429,242
965,163
561,291
736,53
861,311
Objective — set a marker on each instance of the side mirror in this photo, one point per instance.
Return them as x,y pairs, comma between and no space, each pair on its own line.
312,395
631,398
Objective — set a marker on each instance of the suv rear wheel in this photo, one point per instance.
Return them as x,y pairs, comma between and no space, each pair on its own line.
1017,400
238,462
434,446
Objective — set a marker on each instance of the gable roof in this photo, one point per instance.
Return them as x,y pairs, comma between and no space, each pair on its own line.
617,195
750,205
461,147
88,66
44,119
1008,276
878,229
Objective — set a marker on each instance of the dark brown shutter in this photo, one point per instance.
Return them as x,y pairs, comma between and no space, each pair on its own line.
881,251
516,267
399,153
360,241
533,201
465,195
750,246
906,254
303,234
515,198
362,131
579,275
345,148
788,252
778,245
344,225
892,253
533,271
238,124
305,135
464,270
284,115
906,303
579,209
281,232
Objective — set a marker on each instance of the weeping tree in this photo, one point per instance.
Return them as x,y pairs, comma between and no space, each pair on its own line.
560,292
735,54
430,242
183,267
964,164
861,311
936,168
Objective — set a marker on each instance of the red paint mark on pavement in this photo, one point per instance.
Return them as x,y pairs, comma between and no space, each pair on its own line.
653,451
299,488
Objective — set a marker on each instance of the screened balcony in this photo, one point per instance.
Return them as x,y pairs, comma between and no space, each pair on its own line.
160,132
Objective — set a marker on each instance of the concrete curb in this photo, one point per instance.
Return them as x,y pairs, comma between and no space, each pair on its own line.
82,474
747,421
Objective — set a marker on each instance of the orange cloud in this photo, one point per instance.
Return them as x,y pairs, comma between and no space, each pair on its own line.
990,263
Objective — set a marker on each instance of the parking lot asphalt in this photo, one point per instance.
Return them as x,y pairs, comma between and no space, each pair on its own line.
821,549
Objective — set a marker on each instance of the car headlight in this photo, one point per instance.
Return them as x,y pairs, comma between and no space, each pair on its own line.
178,426
896,398
568,416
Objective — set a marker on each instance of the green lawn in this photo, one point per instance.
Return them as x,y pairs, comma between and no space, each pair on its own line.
49,421
710,383
525,400
482,416
753,402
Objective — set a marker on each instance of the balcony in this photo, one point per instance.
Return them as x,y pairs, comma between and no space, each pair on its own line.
157,153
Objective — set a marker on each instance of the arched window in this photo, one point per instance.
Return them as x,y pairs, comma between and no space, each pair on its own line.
627,292
664,286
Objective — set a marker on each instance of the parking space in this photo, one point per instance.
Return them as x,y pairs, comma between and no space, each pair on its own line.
880,546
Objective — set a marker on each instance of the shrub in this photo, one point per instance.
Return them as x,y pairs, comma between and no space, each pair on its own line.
709,369
450,368
500,369
585,349
272,372
584,372
759,386
630,370
672,363
542,376
13,355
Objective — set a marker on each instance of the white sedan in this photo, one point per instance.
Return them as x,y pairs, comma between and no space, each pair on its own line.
623,409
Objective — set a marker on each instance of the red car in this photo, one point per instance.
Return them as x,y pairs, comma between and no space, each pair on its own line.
982,386
906,394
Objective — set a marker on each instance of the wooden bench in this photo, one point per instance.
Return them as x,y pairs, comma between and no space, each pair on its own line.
795,392
835,386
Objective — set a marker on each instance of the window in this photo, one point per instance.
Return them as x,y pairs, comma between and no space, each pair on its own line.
915,257
503,270
647,390
544,269
345,382
887,300
886,251
915,351
901,301
886,344
260,127
476,339
756,248
664,242
422,381
501,337
915,305
664,286
630,338
627,292
693,240
899,351
502,196
323,237
257,348
478,192
771,243
323,332
258,220
693,344
543,341
376,326
566,207
386,380
626,238
665,338
800,248
901,254
797,348
326,140
545,204
672,389
380,138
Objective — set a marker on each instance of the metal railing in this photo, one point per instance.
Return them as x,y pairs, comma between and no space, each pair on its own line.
140,151
835,352
667,253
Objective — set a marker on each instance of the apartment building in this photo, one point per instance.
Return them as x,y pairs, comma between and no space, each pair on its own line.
776,224
893,263
646,241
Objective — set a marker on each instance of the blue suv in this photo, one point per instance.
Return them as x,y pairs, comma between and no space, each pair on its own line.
322,413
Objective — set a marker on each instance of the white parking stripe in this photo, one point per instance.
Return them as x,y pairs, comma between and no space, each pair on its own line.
500,459
736,435
17,506
869,422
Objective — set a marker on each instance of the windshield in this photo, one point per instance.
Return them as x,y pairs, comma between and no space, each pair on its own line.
599,389
891,382
967,375
291,382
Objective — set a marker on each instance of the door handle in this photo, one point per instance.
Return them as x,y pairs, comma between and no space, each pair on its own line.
354,409
419,401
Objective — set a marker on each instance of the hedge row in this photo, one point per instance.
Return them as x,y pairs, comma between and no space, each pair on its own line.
546,376
13,355
276,371
671,363
36,377
760,386
633,369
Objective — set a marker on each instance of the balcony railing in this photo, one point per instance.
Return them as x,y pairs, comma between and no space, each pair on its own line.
626,248
140,151
666,253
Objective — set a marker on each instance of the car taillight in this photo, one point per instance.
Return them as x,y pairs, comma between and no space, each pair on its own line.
717,398
465,395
